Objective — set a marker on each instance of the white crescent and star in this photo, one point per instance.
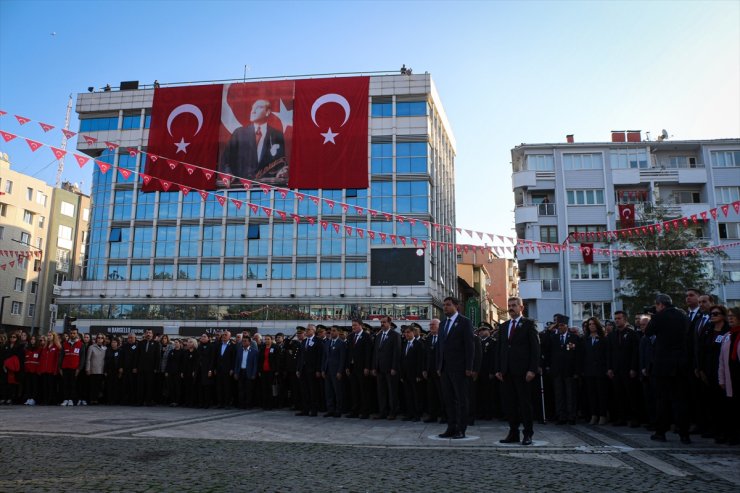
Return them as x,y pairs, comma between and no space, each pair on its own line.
329,135
182,109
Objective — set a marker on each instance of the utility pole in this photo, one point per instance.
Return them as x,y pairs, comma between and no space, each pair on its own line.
60,168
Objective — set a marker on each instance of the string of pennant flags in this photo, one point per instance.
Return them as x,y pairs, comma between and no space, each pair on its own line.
508,244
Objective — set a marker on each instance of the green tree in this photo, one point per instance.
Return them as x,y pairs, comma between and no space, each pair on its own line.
642,277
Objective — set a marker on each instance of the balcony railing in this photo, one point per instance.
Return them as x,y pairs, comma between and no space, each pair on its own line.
550,284
546,209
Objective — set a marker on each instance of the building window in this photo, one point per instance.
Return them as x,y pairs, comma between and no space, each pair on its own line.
20,284
233,271
382,110
164,271
131,122
191,206
212,244
331,270
168,205
725,159
41,198
27,217
85,214
355,270
597,270
34,287
282,271
256,270
31,310
116,273
140,272
305,271
2,232
381,161
8,186
412,197
540,162
331,243
3,210
42,221
582,161
235,240
282,239
29,193
306,240
63,257
166,237
726,195
257,243
411,157
119,242
729,231
210,271
187,271
99,124
686,197
145,205
122,205
411,108
336,196
585,197
628,159
549,234
59,278
586,228
189,240
583,310
142,242
16,308
25,238
68,209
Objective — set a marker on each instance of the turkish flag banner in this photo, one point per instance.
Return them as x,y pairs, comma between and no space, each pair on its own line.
330,139
587,249
627,215
185,126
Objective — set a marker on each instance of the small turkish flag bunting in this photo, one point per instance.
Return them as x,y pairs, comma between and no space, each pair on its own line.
359,210
132,151
426,224
254,208
393,239
165,185
3,113
153,157
283,192
125,173
267,211
713,212
111,145
348,230
411,220
46,127
371,234
12,263
345,207
736,206
68,133
185,190
225,179
246,183
237,203
58,153
173,164
282,214
330,203
33,144
403,240
265,188
315,200
415,241
296,217
203,194
423,243
725,209
311,220
400,219
190,169
299,195
7,136
336,227
145,178
383,236
372,212
90,140
703,215
448,229
694,218
208,174
324,224
81,160
387,216
221,199
22,119
360,232
104,167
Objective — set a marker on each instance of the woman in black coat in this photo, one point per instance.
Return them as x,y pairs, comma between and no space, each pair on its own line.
707,357
172,371
269,371
113,369
188,371
595,350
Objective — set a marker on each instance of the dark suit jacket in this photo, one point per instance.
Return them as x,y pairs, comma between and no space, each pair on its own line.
520,354
561,361
130,356
206,361
148,361
595,357
456,352
488,353
412,361
252,360
239,157
431,354
225,362
360,354
310,356
670,353
624,354
335,357
388,353
273,358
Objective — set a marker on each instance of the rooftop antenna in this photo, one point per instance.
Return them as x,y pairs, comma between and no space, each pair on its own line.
60,168
663,135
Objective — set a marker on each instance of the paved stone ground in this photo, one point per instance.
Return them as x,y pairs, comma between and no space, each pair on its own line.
123,449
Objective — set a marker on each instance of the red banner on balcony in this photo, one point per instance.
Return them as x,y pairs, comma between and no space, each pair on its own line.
627,215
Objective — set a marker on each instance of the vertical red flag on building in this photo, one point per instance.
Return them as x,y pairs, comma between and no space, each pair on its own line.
330,137
627,215
185,127
587,249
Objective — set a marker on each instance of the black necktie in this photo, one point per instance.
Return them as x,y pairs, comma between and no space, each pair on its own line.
447,327
434,340
562,339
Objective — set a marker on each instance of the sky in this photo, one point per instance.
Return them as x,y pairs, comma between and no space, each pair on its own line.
507,72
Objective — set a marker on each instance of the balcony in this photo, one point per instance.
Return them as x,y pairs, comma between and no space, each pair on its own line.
530,289
525,178
525,214
546,209
549,285
692,175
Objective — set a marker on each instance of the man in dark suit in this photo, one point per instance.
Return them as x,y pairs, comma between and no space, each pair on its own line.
245,371
386,367
334,362
624,367
206,368
671,366
257,150
516,367
434,384
225,354
561,363
412,365
147,362
359,364
309,371
484,383
455,357
130,365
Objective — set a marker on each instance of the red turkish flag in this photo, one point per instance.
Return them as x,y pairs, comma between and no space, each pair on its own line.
587,249
330,138
7,137
627,215
185,127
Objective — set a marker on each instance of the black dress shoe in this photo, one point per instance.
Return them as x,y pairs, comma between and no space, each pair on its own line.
511,438
430,420
562,422
328,415
352,415
458,435
302,413
447,434
527,440
364,416
658,437
380,416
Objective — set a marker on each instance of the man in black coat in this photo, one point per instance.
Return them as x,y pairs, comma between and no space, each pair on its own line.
359,365
671,366
484,383
516,367
455,358
206,369
624,368
225,354
333,364
561,363
148,364
129,359
434,384
386,367
309,371
412,366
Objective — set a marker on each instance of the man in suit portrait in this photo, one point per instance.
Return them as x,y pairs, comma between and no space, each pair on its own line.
455,356
334,362
359,363
387,367
516,366
257,150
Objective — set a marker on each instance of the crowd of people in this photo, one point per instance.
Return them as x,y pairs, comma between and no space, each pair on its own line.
674,367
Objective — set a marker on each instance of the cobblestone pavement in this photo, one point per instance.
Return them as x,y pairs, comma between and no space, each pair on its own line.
159,449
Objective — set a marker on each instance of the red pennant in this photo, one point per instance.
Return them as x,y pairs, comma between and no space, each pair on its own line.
90,140
81,160
207,173
282,214
46,127
675,224
359,210
685,221
587,249
725,209
703,215
360,232
254,207
348,230
132,151
125,173
245,183
311,220
7,137
324,224
713,212
387,216
112,146
173,164
424,244
267,211
336,227
145,178
296,218
300,195
383,236
399,219
34,145
153,157
372,212
426,224
237,203
3,113
371,234
221,199
2,267
165,185
22,120
185,190
330,203
68,133
104,167
283,192
448,229
666,226
225,179
203,194
58,153
393,239
345,208
736,206
265,188
413,223
403,240
694,219
315,200
12,263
